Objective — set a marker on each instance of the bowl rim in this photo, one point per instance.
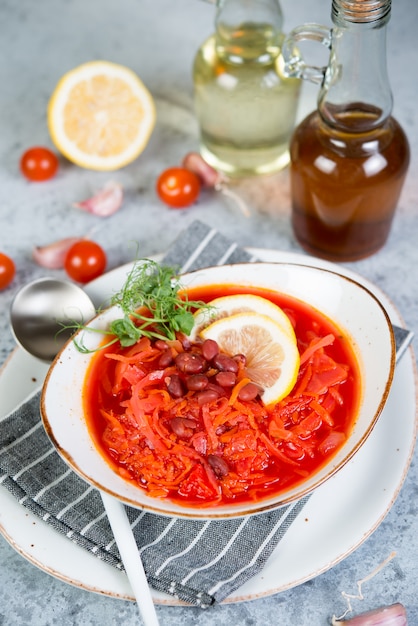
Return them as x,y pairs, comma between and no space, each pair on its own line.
219,512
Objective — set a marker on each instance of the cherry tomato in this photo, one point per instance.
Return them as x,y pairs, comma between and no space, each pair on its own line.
39,164
178,187
85,261
7,270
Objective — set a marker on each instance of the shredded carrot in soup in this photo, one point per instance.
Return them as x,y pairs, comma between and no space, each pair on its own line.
203,445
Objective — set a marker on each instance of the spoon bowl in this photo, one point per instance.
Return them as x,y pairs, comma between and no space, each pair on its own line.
42,312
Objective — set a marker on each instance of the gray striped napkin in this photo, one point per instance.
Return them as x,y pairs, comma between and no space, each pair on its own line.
200,562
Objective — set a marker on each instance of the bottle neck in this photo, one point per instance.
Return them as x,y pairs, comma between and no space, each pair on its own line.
356,94
360,11
248,30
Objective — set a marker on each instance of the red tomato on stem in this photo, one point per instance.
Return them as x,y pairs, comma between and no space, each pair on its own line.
38,164
178,187
7,270
85,261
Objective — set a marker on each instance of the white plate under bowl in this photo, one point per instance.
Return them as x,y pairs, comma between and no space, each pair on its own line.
362,492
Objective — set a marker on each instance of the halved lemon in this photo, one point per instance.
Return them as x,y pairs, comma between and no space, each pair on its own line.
241,303
272,354
101,115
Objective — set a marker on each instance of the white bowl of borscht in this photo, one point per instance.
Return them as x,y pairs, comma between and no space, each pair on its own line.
176,423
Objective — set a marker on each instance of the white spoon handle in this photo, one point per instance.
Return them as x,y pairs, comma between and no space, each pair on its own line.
131,559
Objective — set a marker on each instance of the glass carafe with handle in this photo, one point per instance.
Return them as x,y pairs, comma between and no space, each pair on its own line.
349,158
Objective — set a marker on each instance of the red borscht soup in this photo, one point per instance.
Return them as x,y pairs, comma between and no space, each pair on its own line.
165,420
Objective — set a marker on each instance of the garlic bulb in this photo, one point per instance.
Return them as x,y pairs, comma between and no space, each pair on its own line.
394,615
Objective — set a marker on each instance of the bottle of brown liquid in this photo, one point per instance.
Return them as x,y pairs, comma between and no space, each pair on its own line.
350,157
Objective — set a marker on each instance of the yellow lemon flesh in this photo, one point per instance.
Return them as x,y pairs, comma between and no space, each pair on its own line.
272,356
101,115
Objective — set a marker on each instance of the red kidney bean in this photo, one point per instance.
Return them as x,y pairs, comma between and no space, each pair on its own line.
225,363
210,349
226,379
249,392
174,386
182,426
184,340
165,359
207,395
241,359
197,382
160,344
190,363
219,390
218,464
190,422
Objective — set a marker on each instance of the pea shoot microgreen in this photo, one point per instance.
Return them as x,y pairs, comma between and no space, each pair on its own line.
150,288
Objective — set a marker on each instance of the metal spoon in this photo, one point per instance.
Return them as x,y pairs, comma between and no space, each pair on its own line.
41,310
38,314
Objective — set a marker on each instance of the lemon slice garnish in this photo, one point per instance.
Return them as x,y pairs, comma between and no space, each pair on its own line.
101,115
240,303
272,356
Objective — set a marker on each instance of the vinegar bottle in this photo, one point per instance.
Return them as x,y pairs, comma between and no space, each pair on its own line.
350,157
244,104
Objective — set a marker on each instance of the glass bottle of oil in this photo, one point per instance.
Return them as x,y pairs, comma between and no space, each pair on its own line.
349,158
244,104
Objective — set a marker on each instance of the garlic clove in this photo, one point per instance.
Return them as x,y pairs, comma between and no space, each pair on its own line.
208,176
394,615
104,202
53,255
